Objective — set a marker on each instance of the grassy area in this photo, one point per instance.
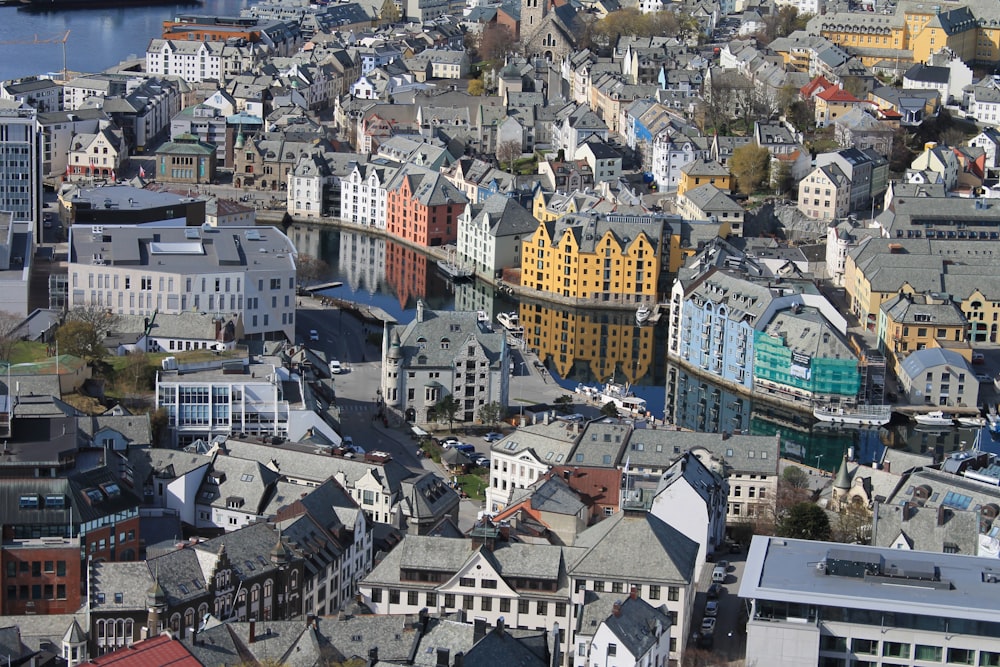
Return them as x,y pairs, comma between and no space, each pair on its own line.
28,352
431,449
474,485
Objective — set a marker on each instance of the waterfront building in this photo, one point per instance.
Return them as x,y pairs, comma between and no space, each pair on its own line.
137,270
908,322
831,604
490,234
422,206
523,457
598,258
802,357
441,354
363,192
938,376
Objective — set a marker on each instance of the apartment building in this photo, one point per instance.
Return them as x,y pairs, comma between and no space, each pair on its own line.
422,206
825,193
141,270
490,234
832,604
908,322
21,163
523,457
363,192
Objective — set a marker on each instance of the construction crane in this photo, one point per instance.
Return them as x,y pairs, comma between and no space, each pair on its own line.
60,39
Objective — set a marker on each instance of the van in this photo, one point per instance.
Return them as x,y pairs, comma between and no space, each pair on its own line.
719,575
335,367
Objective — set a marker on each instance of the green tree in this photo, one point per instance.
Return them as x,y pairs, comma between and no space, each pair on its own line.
564,402
804,521
446,410
609,409
80,339
795,477
491,413
10,324
751,165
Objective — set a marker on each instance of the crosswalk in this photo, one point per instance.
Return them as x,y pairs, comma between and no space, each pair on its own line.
356,407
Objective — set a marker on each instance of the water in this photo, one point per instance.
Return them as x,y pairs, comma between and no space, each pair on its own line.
593,346
99,37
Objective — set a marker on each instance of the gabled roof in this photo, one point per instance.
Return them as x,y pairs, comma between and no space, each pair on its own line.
161,650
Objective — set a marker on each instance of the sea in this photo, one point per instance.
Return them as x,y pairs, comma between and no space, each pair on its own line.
99,37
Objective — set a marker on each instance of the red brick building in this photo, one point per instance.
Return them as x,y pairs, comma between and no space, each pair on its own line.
41,576
423,207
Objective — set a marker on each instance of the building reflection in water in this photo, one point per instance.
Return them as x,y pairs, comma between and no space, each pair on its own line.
362,261
411,275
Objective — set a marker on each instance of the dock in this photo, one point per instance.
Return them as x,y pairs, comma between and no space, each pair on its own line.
315,288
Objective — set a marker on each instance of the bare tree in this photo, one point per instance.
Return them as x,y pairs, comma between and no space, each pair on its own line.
507,152
103,320
309,269
9,325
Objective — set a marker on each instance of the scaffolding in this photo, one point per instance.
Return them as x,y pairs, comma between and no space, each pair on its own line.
872,369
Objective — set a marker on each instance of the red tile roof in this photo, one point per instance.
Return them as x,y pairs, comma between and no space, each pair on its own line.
837,94
820,83
162,651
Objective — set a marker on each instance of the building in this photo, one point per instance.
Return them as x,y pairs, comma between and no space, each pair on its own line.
700,172
186,159
125,204
859,129
825,194
491,235
827,603
96,156
841,237
522,458
41,576
636,633
142,270
940,377
598,258
866,172
17,256
833,103
908,322
671,152
422,206
21,169
707,202
444,354
363,192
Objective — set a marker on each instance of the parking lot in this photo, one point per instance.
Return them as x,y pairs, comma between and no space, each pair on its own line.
728,641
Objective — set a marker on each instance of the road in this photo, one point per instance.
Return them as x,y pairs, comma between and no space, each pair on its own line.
730,629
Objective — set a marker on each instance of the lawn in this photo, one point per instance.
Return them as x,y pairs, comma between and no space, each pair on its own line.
28,352
474,485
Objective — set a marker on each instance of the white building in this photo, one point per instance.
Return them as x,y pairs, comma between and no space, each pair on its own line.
197,61
138,270
823,603
520,459
17,252
636,634
363,193
490,234
21,166
671,152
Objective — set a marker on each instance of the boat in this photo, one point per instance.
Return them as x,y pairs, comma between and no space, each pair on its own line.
861,415
642,315
934,418
619,394
993,421
454,271
974,422
510,322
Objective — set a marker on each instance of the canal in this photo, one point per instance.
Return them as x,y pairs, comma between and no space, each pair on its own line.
592,346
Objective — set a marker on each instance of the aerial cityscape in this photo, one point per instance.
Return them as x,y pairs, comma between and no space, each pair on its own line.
535,333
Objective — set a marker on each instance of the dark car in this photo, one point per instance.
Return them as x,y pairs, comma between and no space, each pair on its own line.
714,591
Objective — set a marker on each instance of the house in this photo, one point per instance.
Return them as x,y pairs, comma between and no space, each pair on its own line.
575,124
936,164
859,129
186,159
550,505
605,162
431,356
523,457
422,206
913,104
635,633
908,322
989,140
100,155
929,77
702,171
938,376
825,194
707,202
866,172
834,102
491,235
671,152
982,100
842,236
363,194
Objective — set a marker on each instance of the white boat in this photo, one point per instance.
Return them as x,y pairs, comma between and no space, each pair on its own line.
454,271
642,315
974,422
863,415
619,394
510,322
935,418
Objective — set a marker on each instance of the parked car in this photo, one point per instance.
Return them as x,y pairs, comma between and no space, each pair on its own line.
313,334
335,367
493,436
449,442
712,608
707,625
465,447
714,591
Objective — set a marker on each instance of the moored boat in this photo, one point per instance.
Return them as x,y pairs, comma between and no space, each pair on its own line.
642,315
862,415
620,394
934,418
974,422
510,322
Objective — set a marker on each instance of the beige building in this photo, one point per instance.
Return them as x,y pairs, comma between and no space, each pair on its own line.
136,270
825,194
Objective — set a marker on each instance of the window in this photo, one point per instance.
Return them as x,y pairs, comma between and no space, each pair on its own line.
933,653
543,608
617,587
411,598
376,595
505,604
673,593
612,649
431,599
467,602
393,596
522,606
486,604
897,650
468,582
865,646
961,656
449,600
599,586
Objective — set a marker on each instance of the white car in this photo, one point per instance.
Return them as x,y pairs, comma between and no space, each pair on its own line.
335,367
313,334
708,625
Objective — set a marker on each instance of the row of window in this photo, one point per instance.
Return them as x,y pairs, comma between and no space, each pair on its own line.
36,592
468,602
36,568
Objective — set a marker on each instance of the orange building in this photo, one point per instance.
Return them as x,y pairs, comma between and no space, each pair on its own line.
211,28
423,207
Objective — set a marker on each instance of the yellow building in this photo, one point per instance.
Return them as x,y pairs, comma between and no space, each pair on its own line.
702,172
597,258
910,322
582,343
549,206
913,33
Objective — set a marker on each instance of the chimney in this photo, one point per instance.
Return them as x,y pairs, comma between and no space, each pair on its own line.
459,659
887,466
420,310
616,610
634,593
942,515
524,422
908,509
443,656
373,656
478,631
725,435
253,631
500,626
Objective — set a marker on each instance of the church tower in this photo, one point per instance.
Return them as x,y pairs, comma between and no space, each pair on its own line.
532,13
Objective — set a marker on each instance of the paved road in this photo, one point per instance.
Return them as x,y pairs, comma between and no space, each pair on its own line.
730,629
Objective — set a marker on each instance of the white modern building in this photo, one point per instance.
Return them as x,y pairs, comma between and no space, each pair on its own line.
21,163
671,152
137,270
823,603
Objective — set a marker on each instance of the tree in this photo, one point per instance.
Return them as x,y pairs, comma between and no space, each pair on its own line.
137,377
495,43
491,413
80,339
609,409
101,319
782,23
564,402
900,155
389,14
795,477
854,524
750,164
508,151
476,87
805,521
158,425
9,325
447,410
309,269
